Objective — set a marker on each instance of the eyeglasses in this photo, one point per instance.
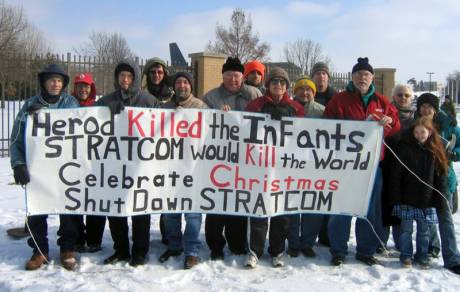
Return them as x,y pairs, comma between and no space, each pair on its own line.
158,72
406,95
276,81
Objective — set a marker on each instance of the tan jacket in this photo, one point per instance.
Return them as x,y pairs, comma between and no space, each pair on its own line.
219,96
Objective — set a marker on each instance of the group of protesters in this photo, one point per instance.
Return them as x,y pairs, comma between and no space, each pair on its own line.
414,181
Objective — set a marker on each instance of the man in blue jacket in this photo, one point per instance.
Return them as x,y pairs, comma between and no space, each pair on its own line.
53,80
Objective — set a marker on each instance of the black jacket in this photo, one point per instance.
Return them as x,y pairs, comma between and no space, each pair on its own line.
324,97
134,96
405,188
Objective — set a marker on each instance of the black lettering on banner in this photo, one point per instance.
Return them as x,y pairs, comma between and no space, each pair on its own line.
87,125
58,149
276,195
286,201
112,146
243,201
226,132
93,143
73,199
188,181
74,139
89,201
140,204
171,204
358,146
338,136
61,174
253,130
203,194
130,141
260,204
37,125
308,196
323,200
186,200
59,124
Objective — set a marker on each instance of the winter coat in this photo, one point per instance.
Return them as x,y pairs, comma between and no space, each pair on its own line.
135,96
191,102
324,97
348,105
219,96
447,127
313,109
285,108
163,92
17,147
31,105
404,187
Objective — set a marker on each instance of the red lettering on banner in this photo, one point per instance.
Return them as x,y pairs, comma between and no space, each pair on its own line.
135,122
213,176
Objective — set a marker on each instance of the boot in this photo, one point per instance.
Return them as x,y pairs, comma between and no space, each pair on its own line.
191,261
36,261
169,253
68,260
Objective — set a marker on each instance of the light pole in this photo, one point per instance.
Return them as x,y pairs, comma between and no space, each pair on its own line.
430,73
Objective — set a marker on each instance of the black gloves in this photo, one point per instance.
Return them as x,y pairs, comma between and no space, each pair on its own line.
21,174
451,156
116,107
34,107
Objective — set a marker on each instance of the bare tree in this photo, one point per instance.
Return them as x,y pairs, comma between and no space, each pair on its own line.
32,42
111,47
12,22
238,40
304,53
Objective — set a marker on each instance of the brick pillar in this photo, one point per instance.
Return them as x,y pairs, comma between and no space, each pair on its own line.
207,71
384,80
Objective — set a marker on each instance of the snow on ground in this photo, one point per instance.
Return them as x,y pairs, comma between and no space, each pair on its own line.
299,274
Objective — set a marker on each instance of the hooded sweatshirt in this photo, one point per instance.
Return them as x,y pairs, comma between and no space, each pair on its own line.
133,96
163,92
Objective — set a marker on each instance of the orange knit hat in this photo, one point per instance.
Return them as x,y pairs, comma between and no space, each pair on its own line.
254,66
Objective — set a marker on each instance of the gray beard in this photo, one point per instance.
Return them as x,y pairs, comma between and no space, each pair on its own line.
182,95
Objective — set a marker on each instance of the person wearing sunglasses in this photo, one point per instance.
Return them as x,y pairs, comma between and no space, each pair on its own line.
156,80
277,103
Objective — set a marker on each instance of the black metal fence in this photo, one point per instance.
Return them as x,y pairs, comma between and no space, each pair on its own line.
18,81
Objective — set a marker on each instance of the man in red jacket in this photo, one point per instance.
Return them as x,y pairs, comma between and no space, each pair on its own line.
360,102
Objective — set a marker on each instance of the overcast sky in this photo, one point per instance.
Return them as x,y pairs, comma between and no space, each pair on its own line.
413,36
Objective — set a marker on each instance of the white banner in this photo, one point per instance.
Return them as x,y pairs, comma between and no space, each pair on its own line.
165,161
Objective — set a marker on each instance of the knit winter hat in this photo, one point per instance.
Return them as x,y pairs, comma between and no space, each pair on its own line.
186,75
277,72
320,66
305,81
429,98
123,67
233,64
254,66
363,64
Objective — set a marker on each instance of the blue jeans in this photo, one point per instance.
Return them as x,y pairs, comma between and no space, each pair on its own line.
303,230
189,241
67,233
450,253
394,231
366,241
405,240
